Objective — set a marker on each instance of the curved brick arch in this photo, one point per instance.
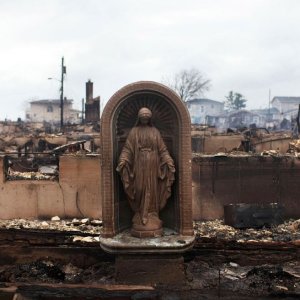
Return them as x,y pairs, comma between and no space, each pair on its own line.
184,157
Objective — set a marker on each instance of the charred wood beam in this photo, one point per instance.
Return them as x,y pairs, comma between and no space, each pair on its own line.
77,291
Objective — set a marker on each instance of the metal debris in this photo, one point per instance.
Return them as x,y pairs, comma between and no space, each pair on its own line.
72,147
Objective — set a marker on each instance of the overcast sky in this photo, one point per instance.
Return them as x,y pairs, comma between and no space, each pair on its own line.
246,46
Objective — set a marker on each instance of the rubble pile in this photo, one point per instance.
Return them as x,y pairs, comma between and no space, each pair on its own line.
216,229
15,175
264,280
294,147
288,231
212,271
86,225
228,278
51,271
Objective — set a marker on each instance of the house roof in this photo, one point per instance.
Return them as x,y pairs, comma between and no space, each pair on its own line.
242,111
291,111
286,99
201,100
265,111
51,101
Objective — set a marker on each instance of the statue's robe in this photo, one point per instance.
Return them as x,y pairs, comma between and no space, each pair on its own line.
147,171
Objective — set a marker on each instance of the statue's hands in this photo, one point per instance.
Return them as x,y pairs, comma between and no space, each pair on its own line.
171,166
120,165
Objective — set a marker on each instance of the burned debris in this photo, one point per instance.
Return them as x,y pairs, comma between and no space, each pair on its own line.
250,140
41,163
43,166
288,231
224,261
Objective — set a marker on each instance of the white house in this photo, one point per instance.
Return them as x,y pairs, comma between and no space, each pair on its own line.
272,116
285,104
202,110
244,118
49,111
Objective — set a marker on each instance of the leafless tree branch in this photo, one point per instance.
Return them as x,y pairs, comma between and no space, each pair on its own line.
189,84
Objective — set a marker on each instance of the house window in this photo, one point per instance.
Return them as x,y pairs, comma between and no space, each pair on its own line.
49,108
212,106
202,108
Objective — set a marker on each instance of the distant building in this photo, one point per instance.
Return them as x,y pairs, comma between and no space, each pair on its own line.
290,114
244,118
92,105
271,115
49,111
288,108
285,104
203,111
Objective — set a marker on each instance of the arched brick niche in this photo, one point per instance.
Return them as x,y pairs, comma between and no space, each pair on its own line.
172,119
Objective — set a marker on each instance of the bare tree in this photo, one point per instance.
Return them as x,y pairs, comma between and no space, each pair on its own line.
189,84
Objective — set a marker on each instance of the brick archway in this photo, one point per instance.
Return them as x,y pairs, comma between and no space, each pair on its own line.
108,152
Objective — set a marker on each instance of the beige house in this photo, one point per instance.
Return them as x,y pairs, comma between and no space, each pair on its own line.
49,111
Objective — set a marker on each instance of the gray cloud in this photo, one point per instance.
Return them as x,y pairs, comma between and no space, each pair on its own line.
247,46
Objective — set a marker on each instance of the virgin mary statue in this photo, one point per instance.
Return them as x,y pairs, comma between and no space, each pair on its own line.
147,172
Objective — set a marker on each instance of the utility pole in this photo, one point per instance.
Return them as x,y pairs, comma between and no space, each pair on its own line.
82,111
269,114
63,71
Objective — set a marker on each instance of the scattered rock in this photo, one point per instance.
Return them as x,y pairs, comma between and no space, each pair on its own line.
69,269
85,221
44,224
96,222
76,222
86,239
295,226
281,288
55,219
83,227
234,265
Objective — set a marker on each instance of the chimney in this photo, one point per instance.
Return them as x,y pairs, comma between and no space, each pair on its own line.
89,91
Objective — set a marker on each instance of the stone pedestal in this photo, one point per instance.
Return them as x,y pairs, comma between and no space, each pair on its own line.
155,260
169,243
150,269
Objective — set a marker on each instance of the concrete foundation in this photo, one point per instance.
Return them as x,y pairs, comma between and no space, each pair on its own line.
75,194
150,269
217,181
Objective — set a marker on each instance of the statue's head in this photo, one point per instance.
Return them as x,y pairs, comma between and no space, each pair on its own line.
144,115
